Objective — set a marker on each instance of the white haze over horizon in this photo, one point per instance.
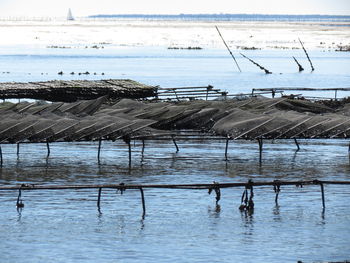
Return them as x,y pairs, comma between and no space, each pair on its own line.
80,8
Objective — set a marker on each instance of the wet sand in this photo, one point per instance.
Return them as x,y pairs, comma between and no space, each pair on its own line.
103,33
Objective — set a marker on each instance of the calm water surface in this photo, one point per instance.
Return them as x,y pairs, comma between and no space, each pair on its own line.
180,225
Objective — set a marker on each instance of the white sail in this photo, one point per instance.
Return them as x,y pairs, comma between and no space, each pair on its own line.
70,16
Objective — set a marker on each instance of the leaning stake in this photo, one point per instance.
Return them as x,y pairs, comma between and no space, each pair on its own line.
299,65
223,40
261,67
307,55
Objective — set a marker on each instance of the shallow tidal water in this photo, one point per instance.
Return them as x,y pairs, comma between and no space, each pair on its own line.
180,225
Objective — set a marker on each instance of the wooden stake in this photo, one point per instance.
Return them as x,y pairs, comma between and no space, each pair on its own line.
307,55
261,67
228,48
299,65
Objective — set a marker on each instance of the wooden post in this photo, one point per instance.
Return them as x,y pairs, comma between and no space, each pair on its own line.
48,149
143,202
322,192
335,94
297,144
17,149
99,150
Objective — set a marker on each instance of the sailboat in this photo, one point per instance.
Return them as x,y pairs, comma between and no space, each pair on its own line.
69,15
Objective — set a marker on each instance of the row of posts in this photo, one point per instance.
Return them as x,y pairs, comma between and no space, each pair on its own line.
128,142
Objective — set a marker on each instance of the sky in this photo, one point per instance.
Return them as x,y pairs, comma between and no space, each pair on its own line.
57,8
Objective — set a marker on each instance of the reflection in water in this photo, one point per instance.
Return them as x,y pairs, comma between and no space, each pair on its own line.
276,212
248,224
214,212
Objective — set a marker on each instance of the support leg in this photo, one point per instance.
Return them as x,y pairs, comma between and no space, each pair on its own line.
297,144
260,141
226,148
322,192
48,149
99,151
17,150
143,203
143,147
1,160
129,145
177,148
99,198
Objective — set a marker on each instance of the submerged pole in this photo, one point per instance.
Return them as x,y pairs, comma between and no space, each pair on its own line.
99,151
322,192
129,146
177,147
1,161
226,148
143,147
143,202
99,197
260,141
297,144
258,65
299,65
48,149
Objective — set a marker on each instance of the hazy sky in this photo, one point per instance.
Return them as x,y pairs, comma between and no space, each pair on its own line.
92,7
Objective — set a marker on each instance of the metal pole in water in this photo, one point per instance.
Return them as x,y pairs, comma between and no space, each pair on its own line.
177,148
1,161
48,149
143,203
129,145
297,144
143,147
260,141
99,151
322,192
99,197
226,148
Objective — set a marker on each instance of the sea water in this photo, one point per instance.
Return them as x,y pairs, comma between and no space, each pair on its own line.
180,225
